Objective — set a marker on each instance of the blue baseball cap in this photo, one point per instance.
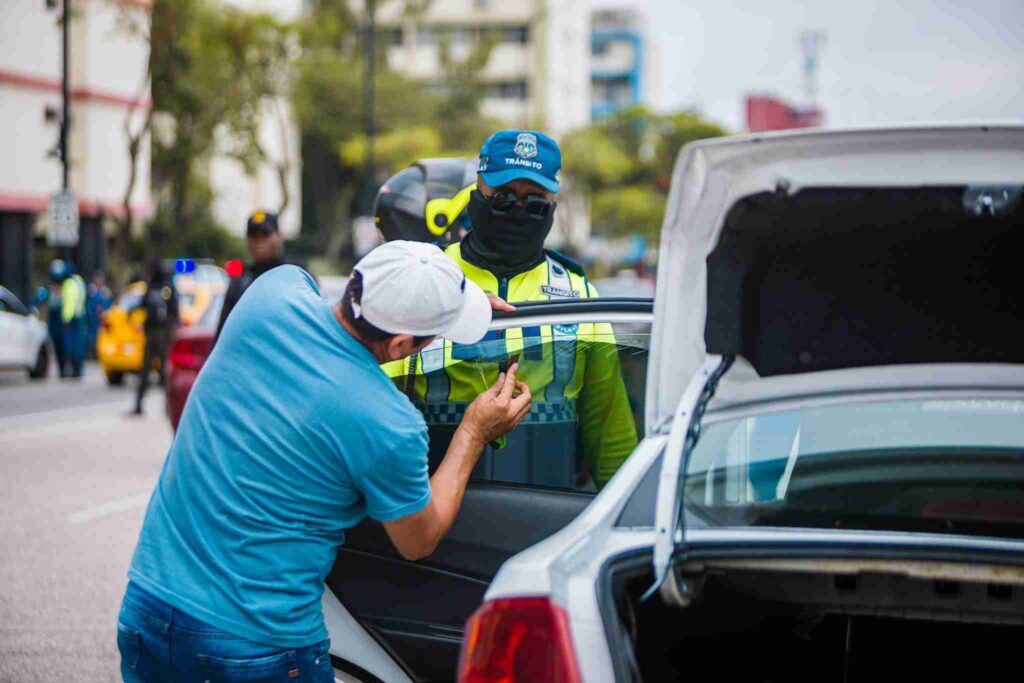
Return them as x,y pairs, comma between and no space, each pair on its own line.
520,154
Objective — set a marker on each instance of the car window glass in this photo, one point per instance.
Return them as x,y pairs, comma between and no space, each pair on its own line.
211,315
587,382
946,466
130,300
11,304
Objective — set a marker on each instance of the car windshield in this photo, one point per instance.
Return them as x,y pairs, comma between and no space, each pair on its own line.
587,382
945,465
211,316
130,300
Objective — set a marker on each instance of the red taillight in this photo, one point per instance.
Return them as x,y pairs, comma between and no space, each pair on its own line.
190,354
518,640
234,268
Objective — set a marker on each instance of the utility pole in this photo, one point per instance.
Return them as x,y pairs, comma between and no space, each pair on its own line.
811,42
369,105
65,119
62,222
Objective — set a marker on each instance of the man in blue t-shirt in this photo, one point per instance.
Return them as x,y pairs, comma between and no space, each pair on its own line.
291,435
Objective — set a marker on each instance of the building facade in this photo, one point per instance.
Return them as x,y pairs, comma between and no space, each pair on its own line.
766,113
107,87
537,75
619,61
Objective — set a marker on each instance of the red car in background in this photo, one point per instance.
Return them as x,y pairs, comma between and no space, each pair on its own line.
189,350
192,345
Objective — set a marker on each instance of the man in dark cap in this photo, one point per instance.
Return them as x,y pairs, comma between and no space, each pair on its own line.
266,247
161,304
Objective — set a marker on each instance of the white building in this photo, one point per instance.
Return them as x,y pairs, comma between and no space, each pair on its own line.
538,75
107,72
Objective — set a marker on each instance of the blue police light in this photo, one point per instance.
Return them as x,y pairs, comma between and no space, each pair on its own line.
184,265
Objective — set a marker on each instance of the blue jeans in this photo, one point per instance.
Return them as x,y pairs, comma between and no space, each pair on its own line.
160,643
74,345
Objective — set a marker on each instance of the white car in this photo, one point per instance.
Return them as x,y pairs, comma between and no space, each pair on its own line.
830,486
24,341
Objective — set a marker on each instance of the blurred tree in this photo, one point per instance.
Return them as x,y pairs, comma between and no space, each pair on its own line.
214,73
629,210
223,65
412,120
624,164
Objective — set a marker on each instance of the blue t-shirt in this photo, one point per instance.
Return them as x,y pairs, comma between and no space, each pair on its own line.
291,434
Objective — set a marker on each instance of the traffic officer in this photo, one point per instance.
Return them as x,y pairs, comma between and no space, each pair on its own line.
266,247
98,300
55,313
161,303
72,308
573,370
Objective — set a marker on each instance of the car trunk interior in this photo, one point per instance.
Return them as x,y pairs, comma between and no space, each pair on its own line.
830,278
817,624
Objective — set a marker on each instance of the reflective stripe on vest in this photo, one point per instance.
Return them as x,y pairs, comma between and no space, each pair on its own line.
545,412
564,351
433,359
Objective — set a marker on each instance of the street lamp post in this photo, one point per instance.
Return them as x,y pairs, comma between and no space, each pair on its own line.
369,105
65,119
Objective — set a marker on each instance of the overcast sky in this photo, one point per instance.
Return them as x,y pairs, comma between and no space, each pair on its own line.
883,60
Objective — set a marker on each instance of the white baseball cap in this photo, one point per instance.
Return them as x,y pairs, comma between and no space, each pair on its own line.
414,288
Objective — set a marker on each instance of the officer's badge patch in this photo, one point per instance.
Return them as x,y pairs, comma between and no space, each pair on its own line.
526,145
567,329
560,292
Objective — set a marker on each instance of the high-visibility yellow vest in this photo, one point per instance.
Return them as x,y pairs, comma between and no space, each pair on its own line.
572,370
72,294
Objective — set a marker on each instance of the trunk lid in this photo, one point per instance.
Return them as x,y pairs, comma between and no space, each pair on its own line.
817,251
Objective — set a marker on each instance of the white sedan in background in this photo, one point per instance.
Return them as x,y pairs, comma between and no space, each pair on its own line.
24,341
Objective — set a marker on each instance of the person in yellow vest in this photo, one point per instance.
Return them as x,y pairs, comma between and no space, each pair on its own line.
72,295
572,370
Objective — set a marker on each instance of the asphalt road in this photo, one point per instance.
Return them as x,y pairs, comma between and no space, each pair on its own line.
75,476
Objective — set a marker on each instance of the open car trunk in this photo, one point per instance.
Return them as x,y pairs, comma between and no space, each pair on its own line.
819,621
834,278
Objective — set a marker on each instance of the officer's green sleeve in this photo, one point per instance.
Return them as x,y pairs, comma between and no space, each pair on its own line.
607,427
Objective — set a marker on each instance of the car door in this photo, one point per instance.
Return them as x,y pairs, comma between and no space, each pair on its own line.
14,331
519,494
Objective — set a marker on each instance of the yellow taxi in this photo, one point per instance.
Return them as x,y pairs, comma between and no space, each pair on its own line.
121,338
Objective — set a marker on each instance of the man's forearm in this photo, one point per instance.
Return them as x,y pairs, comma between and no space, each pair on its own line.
448,485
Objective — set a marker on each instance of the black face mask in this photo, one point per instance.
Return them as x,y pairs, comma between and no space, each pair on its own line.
512,242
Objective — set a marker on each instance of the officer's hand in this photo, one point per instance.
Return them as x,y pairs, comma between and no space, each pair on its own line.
499,304
500,409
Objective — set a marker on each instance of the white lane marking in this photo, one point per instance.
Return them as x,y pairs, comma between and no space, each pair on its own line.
8,421
109,508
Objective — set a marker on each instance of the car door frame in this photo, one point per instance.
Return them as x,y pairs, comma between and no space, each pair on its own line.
359,647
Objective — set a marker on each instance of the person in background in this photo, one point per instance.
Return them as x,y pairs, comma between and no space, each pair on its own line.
266,247
54,322
98,301
72,315
161,305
